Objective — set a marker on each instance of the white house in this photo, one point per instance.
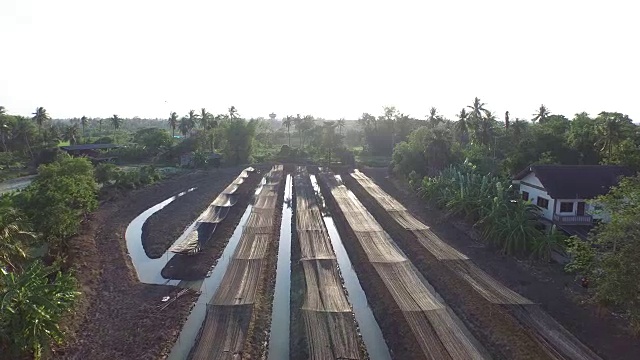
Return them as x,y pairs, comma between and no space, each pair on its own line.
562,192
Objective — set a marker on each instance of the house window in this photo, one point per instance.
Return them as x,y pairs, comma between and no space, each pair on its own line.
566,207
525,196
542,202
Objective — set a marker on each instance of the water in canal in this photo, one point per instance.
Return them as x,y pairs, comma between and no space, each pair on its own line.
369,329
279,335
148,269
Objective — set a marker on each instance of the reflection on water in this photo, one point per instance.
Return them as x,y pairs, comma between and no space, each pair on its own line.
279,337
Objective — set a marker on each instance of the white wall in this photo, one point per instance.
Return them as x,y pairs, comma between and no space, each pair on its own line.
535,193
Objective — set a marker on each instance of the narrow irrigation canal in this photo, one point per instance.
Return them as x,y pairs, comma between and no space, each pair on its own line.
280,316
148,269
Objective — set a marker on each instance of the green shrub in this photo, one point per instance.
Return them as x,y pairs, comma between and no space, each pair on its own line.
33,302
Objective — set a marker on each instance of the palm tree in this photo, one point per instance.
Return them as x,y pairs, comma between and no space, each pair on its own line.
71,133
433,118
84,121
233,112
341,123
610,131
205,118
484,129
476,109
193,119
115,122
462,126
287,122
24,129
542,114
173,123
5,129
40,117
186,125
518,129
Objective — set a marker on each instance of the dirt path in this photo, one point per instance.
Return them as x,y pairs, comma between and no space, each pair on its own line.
548,286
118,317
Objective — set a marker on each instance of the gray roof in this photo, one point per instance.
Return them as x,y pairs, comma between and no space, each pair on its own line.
89,147
577,181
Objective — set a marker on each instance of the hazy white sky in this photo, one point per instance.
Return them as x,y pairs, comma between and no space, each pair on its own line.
327,58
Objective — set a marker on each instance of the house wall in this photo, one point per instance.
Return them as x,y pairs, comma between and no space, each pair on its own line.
532,185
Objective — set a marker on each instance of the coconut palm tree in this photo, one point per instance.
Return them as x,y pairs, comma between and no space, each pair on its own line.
341,123
71,134
233,113
287,122
5,130
193,119
186,125
40,117
115,122
23,130
173,123
433,118
84,121
542,114
610,131
205,118
462,126
477,108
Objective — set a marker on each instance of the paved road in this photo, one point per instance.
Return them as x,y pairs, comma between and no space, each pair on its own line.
16,184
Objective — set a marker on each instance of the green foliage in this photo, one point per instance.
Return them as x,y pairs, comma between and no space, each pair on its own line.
133,179
583,256
58,198
32,303
15,240
153,139
505,220
238,142
612,263
106,173
554,240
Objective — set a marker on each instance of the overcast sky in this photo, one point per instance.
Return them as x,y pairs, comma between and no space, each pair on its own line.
330,59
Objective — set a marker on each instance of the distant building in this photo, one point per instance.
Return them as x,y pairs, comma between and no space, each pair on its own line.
562,191
91,151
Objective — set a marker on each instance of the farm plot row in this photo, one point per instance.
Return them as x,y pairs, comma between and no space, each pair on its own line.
515,327
322,310
204,240
235,322
434,332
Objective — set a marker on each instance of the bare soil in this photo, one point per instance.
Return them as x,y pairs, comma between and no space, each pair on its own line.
117,317
165,226
546,284
194,267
